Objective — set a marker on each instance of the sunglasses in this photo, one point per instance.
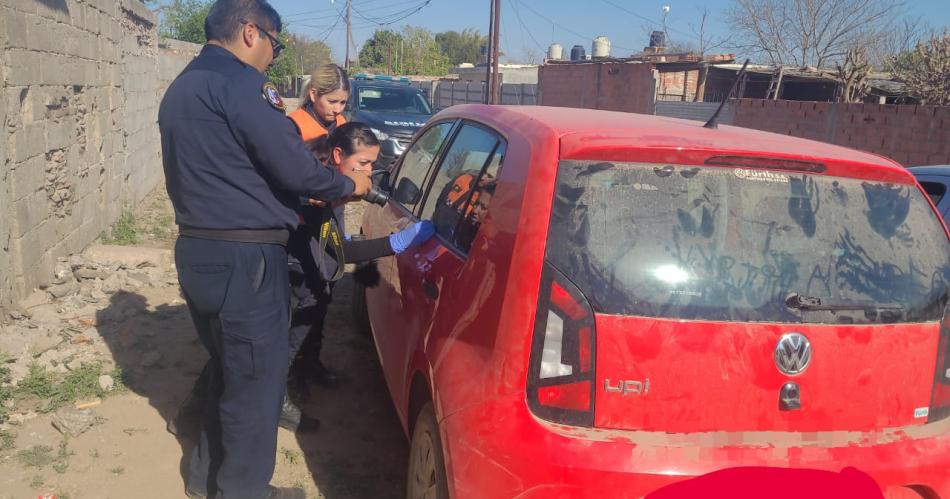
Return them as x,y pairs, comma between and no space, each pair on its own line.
275,44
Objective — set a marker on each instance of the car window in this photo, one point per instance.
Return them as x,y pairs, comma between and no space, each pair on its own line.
704,243
935,190
457,174
415,164
391,100
481,198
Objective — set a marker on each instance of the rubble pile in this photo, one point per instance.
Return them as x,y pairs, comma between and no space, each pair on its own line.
72,322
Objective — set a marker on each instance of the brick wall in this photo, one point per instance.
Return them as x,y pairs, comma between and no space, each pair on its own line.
81,83
911,135
609,86
677,85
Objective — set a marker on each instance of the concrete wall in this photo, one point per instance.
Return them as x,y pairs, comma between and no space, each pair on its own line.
611,86
697,111
81,84
510,73
911,135
443,94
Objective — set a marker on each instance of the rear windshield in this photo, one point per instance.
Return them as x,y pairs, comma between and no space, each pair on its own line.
727,244
392,100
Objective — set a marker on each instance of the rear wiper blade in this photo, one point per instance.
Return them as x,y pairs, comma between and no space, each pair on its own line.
801,302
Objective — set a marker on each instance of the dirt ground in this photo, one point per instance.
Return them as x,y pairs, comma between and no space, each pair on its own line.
358,452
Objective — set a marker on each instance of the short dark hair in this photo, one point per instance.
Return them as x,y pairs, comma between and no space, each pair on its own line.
227,16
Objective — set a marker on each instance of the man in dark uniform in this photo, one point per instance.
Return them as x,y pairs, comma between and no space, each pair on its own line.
235,168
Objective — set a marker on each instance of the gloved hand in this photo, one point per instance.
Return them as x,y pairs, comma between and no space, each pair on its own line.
411,236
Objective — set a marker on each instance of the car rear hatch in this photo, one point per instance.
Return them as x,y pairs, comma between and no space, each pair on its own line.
684,298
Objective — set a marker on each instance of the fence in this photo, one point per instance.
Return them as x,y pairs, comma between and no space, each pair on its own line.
443,94
699,111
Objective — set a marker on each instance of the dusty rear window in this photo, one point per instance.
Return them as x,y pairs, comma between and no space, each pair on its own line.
729,244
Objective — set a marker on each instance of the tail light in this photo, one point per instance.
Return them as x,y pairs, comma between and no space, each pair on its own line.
940,399
561,370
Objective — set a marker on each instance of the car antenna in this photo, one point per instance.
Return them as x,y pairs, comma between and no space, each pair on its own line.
714,121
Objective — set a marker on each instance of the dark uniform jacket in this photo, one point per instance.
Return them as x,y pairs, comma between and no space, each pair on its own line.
232,160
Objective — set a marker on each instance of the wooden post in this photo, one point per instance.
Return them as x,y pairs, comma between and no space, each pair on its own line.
701,83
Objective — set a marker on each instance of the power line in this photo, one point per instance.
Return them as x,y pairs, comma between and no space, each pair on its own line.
326,36
306,16
642,17
524,28
394,17
565,28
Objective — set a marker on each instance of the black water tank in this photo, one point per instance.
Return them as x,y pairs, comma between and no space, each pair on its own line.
658,39
577,53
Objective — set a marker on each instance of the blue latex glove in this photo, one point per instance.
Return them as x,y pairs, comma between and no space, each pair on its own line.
414,235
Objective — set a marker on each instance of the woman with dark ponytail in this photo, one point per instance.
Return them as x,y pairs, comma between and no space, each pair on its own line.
350,147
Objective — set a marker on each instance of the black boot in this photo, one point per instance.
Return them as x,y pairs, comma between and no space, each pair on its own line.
293,419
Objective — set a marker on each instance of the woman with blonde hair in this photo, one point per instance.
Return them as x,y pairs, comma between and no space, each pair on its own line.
324,98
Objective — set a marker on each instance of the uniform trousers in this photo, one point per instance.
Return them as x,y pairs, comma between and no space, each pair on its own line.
238,297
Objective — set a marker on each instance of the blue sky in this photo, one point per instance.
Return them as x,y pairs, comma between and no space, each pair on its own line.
531,25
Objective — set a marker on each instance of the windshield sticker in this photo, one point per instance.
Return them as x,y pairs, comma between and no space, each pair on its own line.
761,176
404,123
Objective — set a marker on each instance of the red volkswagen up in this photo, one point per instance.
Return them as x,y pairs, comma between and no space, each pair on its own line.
616,302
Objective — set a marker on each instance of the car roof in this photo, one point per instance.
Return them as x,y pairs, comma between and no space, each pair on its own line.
940,170
580,128
360,82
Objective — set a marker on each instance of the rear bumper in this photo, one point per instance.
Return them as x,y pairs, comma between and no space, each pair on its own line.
499,449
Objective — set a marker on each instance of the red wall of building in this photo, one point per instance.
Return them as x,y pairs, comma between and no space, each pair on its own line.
614,87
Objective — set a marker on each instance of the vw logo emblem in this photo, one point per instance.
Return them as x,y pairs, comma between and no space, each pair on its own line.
792,354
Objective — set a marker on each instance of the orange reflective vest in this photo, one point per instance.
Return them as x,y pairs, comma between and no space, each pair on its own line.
308,127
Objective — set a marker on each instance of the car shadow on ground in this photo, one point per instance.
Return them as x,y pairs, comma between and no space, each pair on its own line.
359,450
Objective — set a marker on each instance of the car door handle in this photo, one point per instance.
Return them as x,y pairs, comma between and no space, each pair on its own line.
430,290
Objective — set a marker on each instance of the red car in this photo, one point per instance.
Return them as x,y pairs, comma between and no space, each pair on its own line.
617,302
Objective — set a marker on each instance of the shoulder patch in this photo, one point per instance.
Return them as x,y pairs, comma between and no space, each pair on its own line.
270,94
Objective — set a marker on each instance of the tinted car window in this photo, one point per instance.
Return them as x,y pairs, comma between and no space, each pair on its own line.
457,174
733,245
935,190
484,192
392,100
416,163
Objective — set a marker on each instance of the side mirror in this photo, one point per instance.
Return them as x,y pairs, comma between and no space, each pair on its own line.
407,192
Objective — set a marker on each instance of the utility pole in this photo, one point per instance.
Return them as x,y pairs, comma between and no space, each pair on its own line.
496,79
488,51
349,27
491,75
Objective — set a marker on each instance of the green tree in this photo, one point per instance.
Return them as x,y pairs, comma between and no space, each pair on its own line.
382,52
284,67
926,70
459,47
309,54
412,51
184,20
422,55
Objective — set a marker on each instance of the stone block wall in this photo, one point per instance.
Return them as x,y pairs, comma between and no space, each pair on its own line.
911,135
80,85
